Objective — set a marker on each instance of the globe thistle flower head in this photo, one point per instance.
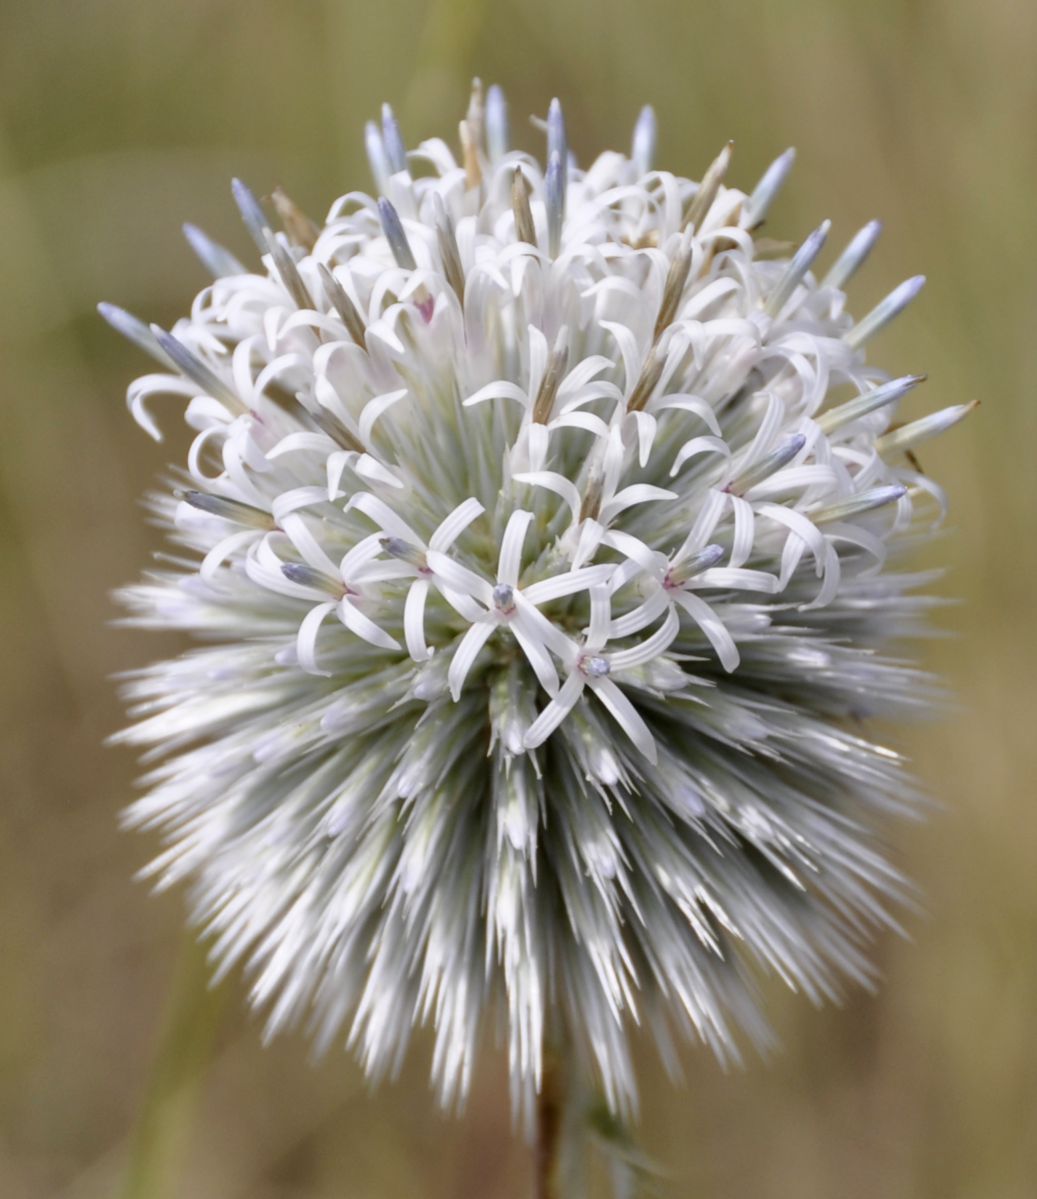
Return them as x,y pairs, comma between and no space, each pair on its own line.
539,538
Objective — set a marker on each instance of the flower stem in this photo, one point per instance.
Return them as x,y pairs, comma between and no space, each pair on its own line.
549,1122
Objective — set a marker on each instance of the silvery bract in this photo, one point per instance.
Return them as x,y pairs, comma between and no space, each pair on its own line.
538,536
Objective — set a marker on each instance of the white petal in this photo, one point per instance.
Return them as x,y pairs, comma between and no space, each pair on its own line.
546,631
642,616
307,545
318,443
464,656
222,550
336,466
639,493
383,516
370,468
601,617
737,579
804,528
414,621
555,712
626,716
499,389
567,583
296,498
745,526
509,565
688,403
699,445
357,622
651,647
374,408
635,549
559,484
455,524
712,626
306,639
459,578
536,654
370,547
538,442
705,522
628,351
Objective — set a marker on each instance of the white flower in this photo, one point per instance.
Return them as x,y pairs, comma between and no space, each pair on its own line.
540,538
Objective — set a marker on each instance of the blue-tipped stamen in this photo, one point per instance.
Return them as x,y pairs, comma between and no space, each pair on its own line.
252,214
392,139
870,401
767,189
852,258
134,330
193,368
496,124
392,227
763,469
884,312
642,152
801,262
219,262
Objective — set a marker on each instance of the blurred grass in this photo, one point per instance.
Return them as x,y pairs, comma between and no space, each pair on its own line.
119,120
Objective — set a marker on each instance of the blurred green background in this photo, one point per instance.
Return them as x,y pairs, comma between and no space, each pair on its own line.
119,1074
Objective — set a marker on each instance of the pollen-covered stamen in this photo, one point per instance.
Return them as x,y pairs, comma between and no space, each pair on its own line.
557,365
593,666
288,273
396,547
923,429
673,288
392,227
233,510
681,570
347,311
756,472
449,254
471,132
590,505
329,424
301,231
525,229
651,373
191,366
702,201
307,576
504,598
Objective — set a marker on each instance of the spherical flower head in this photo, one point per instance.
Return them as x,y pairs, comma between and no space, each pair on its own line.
539,539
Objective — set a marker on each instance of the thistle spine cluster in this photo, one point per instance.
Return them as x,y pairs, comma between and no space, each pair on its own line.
539,520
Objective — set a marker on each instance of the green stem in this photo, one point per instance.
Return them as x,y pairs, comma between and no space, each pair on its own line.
550,1116
169,1105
